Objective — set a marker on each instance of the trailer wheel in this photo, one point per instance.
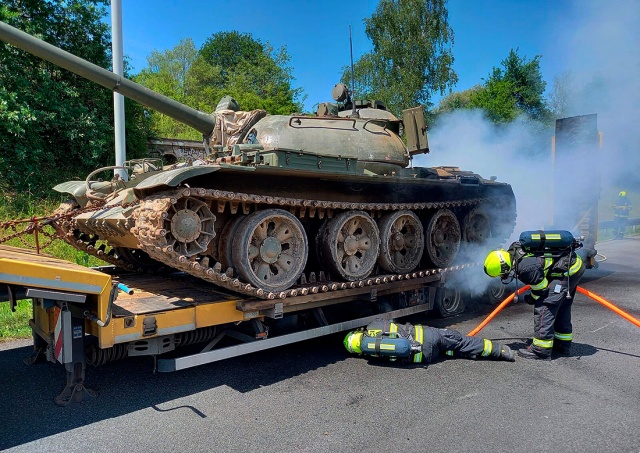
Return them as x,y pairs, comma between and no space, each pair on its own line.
448,302
495,293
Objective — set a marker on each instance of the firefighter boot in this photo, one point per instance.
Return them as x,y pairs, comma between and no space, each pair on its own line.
562,347
528,353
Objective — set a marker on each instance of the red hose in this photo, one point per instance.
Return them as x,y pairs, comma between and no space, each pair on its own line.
499,308
609,305
581,290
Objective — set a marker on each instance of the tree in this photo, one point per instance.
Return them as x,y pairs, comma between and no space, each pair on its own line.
411,56
497,100
458,100
54,125
168,73
511,91
525,81
256,75
228,63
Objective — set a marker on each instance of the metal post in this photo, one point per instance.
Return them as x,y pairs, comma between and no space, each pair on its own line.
118,99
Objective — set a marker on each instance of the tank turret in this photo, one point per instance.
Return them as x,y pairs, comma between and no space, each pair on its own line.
282,205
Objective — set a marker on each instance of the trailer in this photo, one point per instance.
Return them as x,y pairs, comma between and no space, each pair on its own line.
90,316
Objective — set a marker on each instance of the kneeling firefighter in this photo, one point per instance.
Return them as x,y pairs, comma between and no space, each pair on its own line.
415,344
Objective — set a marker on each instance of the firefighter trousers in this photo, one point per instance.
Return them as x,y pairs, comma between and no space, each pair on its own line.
552,328
451,342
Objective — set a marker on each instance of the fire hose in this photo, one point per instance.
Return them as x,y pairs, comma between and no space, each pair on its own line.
581,290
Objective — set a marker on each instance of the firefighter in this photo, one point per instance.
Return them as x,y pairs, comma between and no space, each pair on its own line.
553,281
621,215
421,344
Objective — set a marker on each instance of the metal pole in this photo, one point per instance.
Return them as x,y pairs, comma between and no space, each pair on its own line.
118,99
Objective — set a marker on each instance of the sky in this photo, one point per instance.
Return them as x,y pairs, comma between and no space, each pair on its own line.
316,33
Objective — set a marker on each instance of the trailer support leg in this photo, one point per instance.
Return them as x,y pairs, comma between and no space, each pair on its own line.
69,350
75,389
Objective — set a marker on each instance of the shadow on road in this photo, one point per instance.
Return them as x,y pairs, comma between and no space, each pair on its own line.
27,391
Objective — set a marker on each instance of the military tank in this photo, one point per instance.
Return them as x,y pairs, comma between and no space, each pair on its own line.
283,205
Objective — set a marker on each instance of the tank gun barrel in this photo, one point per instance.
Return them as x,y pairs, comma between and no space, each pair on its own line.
200,121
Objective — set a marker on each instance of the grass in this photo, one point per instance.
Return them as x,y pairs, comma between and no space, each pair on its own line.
15,325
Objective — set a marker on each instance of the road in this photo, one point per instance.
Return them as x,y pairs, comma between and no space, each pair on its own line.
313,397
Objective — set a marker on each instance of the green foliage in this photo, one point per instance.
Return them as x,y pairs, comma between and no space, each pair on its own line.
497,100
458,100
516,88
54,125
229,63
527,84
511,91
15,324
411,56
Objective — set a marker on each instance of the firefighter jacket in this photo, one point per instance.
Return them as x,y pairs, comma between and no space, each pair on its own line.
424,344
622,207
538,270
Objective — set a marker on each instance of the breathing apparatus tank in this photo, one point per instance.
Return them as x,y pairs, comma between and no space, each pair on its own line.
549,242
385,346
382,339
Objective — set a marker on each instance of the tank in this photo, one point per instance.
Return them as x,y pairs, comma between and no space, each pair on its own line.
282,205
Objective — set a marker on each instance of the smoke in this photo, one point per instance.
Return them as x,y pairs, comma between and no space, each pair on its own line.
603,67
597,48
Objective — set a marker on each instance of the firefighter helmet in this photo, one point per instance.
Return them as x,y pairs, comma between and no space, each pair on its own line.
352,341
497,263
622,194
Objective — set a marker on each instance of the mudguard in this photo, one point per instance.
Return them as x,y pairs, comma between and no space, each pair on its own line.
76,188
173,178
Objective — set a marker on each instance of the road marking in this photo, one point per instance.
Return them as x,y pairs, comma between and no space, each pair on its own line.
594,331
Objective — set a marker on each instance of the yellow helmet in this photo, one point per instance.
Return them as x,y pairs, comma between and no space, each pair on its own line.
497,263
622,194
352,341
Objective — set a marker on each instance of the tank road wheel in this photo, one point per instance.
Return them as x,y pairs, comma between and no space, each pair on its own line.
226,240
350,245
442,238
476,226
191,226
401,241
270,249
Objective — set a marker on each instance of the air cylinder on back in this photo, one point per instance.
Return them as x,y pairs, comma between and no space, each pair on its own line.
549,241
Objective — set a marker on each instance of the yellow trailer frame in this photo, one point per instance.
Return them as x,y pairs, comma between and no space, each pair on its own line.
115,314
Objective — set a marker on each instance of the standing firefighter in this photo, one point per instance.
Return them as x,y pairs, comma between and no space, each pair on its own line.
546,261
621,215
416,344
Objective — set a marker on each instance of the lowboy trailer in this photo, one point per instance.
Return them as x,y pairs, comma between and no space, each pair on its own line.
85,316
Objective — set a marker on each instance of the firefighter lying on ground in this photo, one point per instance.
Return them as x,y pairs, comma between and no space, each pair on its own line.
553,277
416,344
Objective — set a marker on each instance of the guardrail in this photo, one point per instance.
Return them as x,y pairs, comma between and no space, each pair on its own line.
606,224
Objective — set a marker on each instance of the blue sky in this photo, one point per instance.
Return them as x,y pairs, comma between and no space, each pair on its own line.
316,33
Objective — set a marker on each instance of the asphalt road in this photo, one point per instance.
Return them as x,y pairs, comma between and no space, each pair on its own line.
313,397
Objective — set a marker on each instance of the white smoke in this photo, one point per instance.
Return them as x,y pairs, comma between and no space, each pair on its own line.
600,49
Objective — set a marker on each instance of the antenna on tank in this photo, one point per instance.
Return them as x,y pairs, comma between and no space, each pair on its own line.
354,113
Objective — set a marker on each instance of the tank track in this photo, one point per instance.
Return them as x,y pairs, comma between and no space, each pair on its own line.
63,223
152,236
